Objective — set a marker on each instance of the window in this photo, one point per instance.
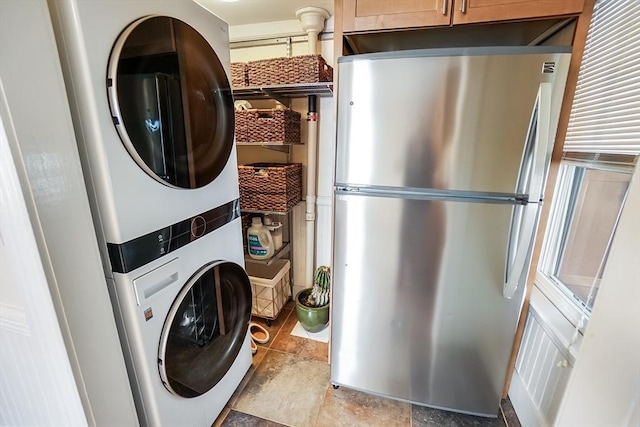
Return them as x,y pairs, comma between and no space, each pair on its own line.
600,151
588,200
598,197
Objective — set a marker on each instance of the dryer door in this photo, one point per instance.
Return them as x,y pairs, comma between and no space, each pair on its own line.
171,102
205,329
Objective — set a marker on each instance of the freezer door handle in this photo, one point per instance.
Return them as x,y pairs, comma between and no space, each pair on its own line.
523,230
544,144
538,147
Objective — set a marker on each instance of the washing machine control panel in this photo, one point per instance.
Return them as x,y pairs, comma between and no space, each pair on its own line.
128,256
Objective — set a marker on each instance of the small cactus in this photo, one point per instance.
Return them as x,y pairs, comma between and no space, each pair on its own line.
320,292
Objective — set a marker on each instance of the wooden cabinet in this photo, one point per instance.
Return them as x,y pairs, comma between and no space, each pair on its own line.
368,15
470,11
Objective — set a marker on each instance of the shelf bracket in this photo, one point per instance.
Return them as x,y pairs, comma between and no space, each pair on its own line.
281,99
280,148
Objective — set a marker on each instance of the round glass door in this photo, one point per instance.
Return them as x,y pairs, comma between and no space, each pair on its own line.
205,329
171,102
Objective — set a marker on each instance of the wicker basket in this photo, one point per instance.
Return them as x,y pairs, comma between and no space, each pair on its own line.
239,74
268,126
270,187
270,287
288,70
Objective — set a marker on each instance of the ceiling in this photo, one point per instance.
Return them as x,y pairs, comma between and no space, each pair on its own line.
244,12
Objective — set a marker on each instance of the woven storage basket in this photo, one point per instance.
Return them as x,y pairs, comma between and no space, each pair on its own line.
239,74
288,70
273,126
270,287
271,187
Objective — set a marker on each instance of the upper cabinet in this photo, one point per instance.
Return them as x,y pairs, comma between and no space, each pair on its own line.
371,15
470,11
366,15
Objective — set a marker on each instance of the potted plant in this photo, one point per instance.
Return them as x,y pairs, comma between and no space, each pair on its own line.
312,304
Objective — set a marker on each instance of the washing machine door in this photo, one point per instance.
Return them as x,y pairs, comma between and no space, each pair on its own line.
171,102
205,329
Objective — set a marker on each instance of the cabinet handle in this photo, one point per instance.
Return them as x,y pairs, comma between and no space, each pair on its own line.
463,6
444,7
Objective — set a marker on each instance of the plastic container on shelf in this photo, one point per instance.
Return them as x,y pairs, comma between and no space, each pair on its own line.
259,241
275,228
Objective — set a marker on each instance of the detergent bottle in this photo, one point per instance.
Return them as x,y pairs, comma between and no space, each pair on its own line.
259,240
275,228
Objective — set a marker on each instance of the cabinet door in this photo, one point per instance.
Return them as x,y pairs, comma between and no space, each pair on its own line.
366,15
468,11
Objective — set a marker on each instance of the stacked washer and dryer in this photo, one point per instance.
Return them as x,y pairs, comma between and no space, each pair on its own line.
148,84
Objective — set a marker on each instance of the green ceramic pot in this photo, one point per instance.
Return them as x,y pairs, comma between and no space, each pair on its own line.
312,319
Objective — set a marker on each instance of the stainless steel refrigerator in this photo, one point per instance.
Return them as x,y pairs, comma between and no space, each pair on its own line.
441,161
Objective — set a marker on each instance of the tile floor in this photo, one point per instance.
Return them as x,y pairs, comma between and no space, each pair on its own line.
288,385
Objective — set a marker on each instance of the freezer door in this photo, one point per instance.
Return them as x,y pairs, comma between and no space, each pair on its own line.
418,306
450,122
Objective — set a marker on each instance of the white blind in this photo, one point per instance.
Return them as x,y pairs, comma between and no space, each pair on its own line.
605,117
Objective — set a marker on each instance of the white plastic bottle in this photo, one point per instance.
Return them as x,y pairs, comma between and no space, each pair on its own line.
275,228
259,240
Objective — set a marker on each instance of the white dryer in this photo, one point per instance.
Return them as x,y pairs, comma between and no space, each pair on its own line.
186,319
148,84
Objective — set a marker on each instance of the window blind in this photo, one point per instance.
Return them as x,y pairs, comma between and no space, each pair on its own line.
605,116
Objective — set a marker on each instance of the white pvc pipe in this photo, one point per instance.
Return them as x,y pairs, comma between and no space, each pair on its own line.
310,214
312,40
312,20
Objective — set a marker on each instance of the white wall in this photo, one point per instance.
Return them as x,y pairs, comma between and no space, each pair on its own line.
604,388
36,382
59,213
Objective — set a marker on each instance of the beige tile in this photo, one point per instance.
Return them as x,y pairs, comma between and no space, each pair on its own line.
285,388
350,408
297,345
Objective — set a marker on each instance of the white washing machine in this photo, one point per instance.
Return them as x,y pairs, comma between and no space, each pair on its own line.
186,321
148,83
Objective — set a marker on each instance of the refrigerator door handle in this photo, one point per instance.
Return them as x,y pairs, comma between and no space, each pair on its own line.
523,229
523,232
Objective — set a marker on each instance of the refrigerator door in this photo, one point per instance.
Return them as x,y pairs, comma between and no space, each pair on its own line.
418,311
450,119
